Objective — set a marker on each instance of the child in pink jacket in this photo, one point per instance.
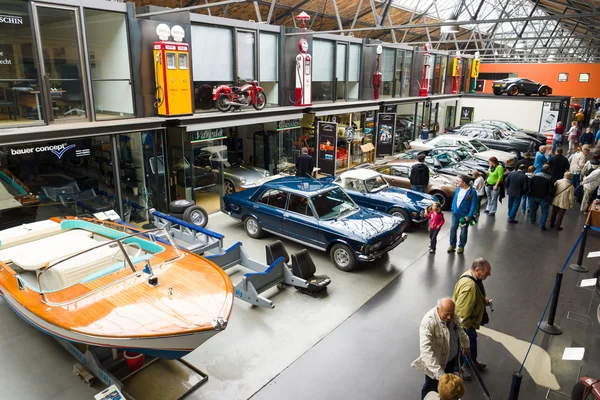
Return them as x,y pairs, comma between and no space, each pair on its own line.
436,220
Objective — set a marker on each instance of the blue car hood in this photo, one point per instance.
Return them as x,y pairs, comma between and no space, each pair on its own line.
367,226
406,197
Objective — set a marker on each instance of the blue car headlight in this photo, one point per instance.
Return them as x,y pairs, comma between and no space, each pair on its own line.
372,247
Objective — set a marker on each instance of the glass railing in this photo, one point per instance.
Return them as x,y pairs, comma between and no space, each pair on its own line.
113,98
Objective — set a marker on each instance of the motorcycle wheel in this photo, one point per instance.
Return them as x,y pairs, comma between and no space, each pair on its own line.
222,102
260,101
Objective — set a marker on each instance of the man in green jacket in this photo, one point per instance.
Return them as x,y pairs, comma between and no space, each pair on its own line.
469,296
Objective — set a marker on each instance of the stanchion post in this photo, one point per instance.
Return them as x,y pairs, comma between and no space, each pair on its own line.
548,326
515,387
579,266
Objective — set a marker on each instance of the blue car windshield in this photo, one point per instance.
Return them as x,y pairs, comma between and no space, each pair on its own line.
333,203
375,184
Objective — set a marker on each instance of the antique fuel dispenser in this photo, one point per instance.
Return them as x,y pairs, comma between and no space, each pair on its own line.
303,68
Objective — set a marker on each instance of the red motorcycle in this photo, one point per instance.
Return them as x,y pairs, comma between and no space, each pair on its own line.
235,97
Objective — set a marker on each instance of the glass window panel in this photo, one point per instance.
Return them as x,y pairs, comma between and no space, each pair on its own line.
171,61
354,63
108,51
208,41
323,56
246,51
183,61
269,57
340,64
387,72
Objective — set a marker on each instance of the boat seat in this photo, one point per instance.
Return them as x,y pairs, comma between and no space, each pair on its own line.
28,232
33,255
275,250
304,267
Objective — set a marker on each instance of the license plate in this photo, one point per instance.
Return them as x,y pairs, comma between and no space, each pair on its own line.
497,85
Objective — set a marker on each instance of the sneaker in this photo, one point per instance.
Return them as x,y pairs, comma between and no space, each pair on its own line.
486,211
479,365
513,221
464,375
559,228
431,250
491,214
451,249
543,228
460,250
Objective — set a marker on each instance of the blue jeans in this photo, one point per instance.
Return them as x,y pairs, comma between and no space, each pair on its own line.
492,196
472,334
576,180
418,188
524,206
513,207
556,144
544,205
464,231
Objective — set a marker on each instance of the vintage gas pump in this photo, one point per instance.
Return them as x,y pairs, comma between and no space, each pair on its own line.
172,72
377,76
426,63
455,65
474,72
303,68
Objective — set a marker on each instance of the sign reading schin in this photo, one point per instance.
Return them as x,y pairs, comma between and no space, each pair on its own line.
9,19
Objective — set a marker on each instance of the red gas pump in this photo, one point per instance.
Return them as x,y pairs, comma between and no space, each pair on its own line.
377,77
425,84
303,68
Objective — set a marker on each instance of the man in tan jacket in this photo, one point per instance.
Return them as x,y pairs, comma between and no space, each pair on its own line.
441,339
470,299
563,200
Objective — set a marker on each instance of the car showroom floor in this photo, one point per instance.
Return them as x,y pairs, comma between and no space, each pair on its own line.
359,341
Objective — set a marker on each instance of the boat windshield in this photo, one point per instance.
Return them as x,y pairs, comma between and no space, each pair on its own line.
333,204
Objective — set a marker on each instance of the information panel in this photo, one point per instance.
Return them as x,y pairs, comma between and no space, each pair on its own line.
386,128
327,142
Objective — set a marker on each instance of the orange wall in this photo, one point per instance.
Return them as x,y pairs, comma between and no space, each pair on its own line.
548,74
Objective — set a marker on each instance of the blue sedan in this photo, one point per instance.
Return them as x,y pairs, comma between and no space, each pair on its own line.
369,189
317,215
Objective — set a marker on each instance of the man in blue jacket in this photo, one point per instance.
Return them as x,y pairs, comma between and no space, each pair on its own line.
540,159
464,205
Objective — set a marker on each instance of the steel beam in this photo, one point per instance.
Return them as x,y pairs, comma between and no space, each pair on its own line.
257,10
356,15
508,39
337,14
176,10
289,11
271,9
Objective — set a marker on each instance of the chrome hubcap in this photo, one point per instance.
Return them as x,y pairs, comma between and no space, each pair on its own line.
197,218
396,214
440,199
229,188
252,227
341,257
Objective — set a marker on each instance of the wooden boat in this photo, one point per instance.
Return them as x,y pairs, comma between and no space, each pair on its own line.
105,284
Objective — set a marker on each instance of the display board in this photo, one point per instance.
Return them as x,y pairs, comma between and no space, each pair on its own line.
327,147
466,115
386,128
549,117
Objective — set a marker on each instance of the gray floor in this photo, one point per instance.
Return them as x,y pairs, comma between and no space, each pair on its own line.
358,342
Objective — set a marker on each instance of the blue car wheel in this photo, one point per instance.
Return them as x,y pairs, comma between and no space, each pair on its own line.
343,257
253,228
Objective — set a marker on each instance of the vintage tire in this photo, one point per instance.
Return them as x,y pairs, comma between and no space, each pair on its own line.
179,206
196,215
543,91
513,91
395,211
516,153
253,228
229,187
343,257
597,276
260,101
176,215
442,199
222,102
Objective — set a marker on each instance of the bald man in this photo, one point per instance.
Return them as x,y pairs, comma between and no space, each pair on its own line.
441,339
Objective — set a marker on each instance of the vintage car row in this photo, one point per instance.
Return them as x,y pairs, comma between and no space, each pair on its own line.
495,138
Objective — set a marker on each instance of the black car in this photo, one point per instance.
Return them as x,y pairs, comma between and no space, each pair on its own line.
514,86
494,138
517,132
450,160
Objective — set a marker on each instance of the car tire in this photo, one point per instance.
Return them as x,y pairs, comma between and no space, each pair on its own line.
442,199
176,215
253,228
543,91
343,257
395,211
513,91
229,187
579,390
497,93
179,206
527,94
516,153
196,216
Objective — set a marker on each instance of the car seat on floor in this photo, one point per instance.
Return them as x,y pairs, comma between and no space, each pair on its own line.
276,250
304,267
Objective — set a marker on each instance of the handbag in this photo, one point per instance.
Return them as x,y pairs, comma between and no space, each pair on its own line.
486,318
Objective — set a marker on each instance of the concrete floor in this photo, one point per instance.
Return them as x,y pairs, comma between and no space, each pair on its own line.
358,342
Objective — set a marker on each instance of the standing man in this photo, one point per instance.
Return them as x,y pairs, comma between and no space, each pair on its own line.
577,163
595,125
540,193
464,206
526,161
470,298
562,201
419,175
441,339
559,164
587,137
517,185
424,133
573,137
540,159
304,164
492,187
558,136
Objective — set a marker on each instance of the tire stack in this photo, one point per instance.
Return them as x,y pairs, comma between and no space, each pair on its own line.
188,211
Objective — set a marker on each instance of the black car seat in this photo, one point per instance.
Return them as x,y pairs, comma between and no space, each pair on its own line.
304,267
276,250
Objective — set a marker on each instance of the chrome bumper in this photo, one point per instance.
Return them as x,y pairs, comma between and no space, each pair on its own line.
375,256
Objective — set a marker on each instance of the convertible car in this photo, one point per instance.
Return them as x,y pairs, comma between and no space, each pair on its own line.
514,86
317,215
368,188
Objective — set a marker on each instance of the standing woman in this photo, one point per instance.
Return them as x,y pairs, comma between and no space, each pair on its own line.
492,187
573,137
479,186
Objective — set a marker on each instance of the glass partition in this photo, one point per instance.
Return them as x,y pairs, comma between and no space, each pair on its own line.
398,73
341,65
246,55
387,72
353,72
323,57
407,70
269,66
108,51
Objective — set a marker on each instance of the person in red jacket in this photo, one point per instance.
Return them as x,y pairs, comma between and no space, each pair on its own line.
436,220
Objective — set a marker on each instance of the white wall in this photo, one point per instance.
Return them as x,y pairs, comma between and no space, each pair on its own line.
525,114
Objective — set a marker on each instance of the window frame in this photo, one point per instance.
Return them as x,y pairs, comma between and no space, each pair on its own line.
584,74
308,205
258,200
563,76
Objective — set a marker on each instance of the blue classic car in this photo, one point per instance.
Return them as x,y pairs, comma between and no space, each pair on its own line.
318,215
369,189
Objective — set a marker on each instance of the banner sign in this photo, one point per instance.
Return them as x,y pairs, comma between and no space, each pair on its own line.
386,128
327,142
209,134
289,124
466,115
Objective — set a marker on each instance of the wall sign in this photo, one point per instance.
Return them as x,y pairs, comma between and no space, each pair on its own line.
9,19
327,142
466,115
209,134
289,124
386,128
549,117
